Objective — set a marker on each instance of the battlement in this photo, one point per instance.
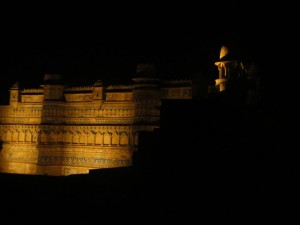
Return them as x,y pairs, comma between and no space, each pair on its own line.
33,91
59,130
119,87
78,89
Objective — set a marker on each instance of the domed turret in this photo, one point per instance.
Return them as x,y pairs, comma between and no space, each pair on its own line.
146,70
145,73
146,93
237,76
52,79
224,52
229,67
15,86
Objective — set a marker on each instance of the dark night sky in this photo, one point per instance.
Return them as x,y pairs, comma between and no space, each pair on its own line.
85,52
88,42
85,43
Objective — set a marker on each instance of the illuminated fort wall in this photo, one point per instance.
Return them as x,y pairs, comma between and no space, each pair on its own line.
59,130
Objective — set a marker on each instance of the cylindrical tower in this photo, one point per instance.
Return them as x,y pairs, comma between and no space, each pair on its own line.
53,88
146,94
230,69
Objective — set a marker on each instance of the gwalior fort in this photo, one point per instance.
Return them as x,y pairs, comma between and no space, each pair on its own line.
59,130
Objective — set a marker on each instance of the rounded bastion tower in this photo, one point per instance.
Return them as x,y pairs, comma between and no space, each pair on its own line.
146,95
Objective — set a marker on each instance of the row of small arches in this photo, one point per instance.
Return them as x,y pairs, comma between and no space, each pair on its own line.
73,112
77,137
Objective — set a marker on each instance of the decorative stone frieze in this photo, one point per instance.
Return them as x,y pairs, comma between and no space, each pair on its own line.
59,130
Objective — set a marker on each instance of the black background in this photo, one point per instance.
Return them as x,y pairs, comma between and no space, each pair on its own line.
208,159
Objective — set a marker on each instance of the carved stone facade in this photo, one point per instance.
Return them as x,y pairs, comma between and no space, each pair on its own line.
59,130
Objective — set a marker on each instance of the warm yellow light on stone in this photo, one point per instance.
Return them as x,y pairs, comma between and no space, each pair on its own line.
58,130
224,51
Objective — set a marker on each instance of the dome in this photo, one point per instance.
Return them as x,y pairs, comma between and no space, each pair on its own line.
52,79
234,54
224,52
146,70
98,83
15,86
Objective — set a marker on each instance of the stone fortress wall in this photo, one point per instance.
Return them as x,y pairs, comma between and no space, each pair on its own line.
59,130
